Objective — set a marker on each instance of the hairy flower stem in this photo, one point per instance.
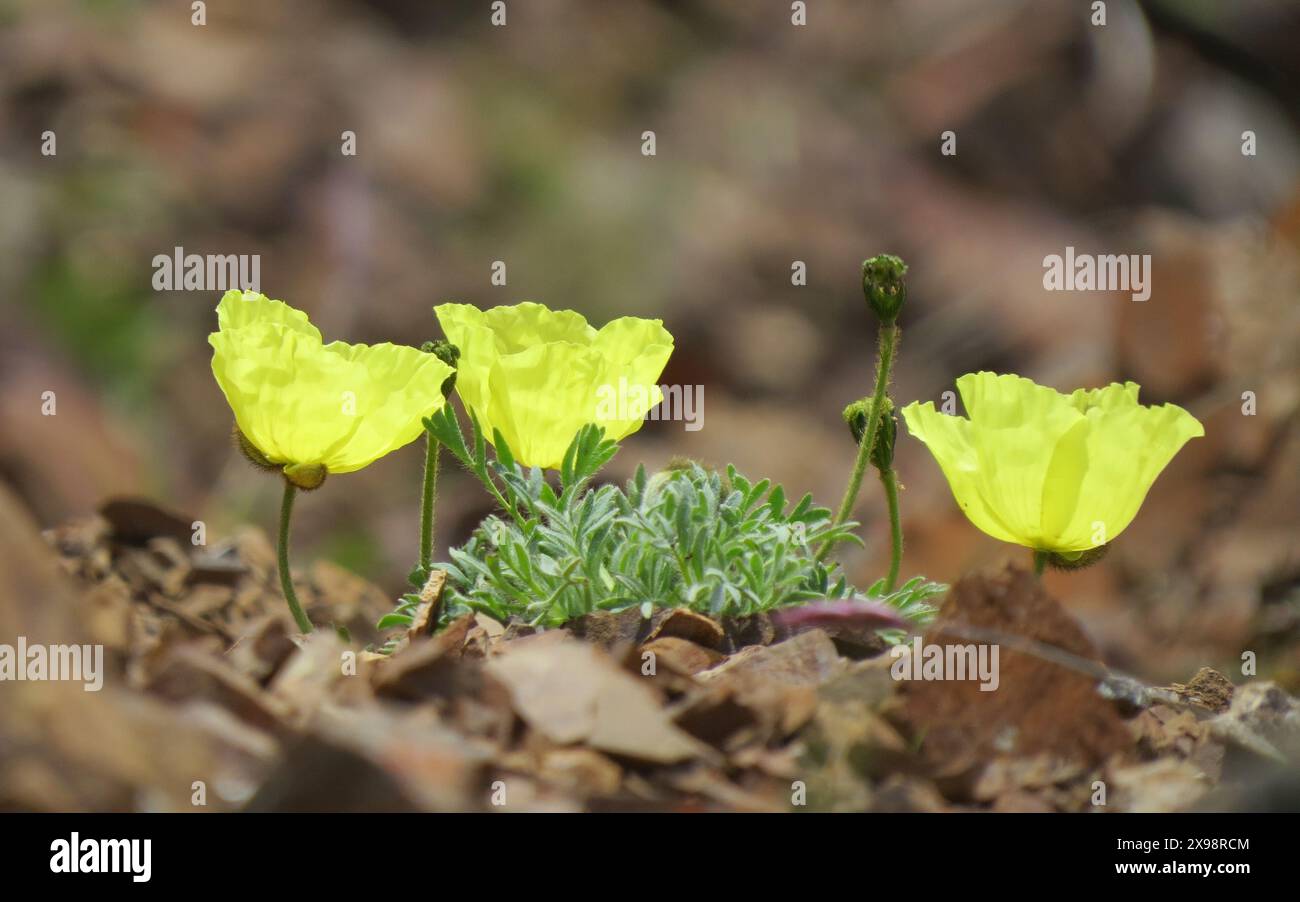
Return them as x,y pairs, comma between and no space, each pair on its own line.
1040,561
506,505
286,581
884,364
432,449
889,479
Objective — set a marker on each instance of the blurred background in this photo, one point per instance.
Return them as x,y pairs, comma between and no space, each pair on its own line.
776,144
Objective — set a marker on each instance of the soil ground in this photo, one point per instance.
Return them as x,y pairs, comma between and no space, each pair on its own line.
208,683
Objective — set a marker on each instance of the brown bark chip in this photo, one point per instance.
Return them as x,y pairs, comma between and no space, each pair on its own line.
1038,707
680,655
430,667
572,692
680,623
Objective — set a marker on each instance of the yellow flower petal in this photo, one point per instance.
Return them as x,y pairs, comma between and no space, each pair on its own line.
300,402
539,400
238,309
1112,397
1127,447
633,352
538,375
1017,426
1053,472
949,440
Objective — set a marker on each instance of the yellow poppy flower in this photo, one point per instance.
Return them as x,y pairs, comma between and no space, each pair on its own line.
305,405
539,375
1056,473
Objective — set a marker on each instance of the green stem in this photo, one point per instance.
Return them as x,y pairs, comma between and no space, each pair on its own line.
884,363
890,480
286,580
486,478
432,449
1040,561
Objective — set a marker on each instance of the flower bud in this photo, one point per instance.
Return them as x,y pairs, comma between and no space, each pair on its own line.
884,283
855,416
306,476
1059,560
449,354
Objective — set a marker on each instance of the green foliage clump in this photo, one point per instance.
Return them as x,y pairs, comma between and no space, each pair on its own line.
685,537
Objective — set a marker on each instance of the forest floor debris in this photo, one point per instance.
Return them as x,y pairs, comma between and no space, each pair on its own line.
614,712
